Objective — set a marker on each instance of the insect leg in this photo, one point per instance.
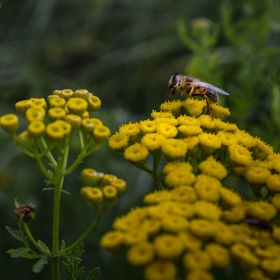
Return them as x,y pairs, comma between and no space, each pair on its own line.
208,107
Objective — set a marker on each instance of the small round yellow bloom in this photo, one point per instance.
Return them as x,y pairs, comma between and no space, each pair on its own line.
207,210
74,120
191,243
209,142
183,209
66,127
9,123
89,124
22,106
257,175
224,235
194,107
219,111
227,127
174,149
176,165
167,130
262,150
271,266
112,240
89,176
235,215
276,201
93,195
199,275
273,183
189,130
174,223
109,192
108,179
151,226
55,131
141,254
219,255
76,106
57,102
207,122
187,120
171,121
148,126
36,128
245,139
101,133
197,260
160,270
82,93
38,102
134,236
243,254
161,114
202,228
179,177
230,197
136,153
56,113
118,142
152,141
66,93
184,194
173,106
239,155
256,274
207,188
23,140
35,114
261,210
168,246
85,114
227,138
132,130
94,103
213,168
119,185
157,197
126,223
192,144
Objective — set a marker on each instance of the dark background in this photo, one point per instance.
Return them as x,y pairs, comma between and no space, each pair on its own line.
124,52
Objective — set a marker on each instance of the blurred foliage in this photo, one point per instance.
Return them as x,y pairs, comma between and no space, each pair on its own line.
124,51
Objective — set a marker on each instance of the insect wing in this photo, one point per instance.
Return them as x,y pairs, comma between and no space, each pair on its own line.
206,85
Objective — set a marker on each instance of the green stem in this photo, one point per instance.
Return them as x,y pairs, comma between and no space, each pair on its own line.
31,238
83,237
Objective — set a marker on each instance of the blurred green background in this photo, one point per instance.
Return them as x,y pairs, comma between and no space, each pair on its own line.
124,51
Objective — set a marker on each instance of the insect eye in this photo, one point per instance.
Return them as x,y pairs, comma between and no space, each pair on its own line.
175,79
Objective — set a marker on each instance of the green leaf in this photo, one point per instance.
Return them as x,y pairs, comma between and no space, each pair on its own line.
67,267
38,266
18,252
51,173
93,275
16,203
15,233
62,245
43,245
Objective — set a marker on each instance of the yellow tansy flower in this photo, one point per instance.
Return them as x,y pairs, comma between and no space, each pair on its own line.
76,106
261,210
191,243
227,138
224,235
126,223
132,130
194,107
245,139
257,175
148,126
109,192
36,128
171,121
225,126
35,114
189,130
93,195
161,114
179,177
74,120
243,254
101,133
94,103
66,93
219,111
57,102
157,197
187,120
262,150
176,165
184,194
197,260
192,145
202,228
141,254
136,153
207,210
152,141
56,113
271,266
209,142
112,240
213,168
118,142
160,270
234,215
276,201
134,236
22,106
174,149
207,122
230,197
239,155
151,226
167,130
174,223
55,131
168,246
219,255
172,106
9,123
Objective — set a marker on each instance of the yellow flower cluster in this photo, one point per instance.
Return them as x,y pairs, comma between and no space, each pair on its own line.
194,223
101,188
68,111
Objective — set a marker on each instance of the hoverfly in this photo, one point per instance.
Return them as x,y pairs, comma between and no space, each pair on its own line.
194,87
